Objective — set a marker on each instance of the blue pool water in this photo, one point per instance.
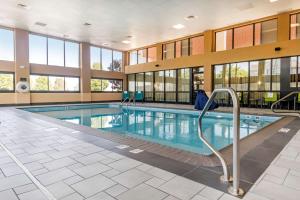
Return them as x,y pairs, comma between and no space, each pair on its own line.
171,127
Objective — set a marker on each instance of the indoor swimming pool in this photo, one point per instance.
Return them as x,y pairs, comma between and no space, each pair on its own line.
175,128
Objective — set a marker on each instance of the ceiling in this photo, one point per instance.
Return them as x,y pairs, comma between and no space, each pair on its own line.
147,21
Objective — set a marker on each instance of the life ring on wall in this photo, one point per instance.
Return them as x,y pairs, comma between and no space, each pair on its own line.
22,87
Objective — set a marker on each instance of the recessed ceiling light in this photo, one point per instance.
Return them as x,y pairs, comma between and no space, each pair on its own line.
23,6
126,41
87,24
272,1
129,36
40,24
105,44
190,17
178,26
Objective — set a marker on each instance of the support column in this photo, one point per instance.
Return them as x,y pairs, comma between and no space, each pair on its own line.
208,49
283,27
85,73
22,67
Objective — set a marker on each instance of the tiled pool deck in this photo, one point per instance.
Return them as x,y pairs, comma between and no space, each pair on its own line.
64,167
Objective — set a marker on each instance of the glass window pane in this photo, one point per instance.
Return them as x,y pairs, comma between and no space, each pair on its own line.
133,57
117,61
293,72
55,52
149,86
185,47
243,36
39,83
106,85
71,84
170,85
197,45
6,82
221,76
224,40
239,76
159,85
276,74
184,78
96,85
295,26
131,82
106,59
56,83
266,32
142,56
116,85
260,75
95,58
178,49
152,54
7,44
168,51
72,54
37,49
139,82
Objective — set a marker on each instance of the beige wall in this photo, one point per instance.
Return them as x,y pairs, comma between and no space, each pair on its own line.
22,69
210,57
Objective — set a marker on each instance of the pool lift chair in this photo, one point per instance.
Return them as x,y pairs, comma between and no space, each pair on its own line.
233,189
125,97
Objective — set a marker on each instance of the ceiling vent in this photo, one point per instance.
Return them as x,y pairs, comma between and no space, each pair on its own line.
40,24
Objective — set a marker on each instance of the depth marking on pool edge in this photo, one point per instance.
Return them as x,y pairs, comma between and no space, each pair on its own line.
48,194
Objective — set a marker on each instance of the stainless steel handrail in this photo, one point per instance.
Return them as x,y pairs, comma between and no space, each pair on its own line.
235,188
124,100
281,99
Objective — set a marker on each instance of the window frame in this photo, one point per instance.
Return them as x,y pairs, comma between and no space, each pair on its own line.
109,79
64,49
14,82
58,91
14,43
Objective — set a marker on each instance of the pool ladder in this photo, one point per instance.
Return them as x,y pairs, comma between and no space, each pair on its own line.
282,99
233,189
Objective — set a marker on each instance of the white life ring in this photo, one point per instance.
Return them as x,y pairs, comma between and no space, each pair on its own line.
22,87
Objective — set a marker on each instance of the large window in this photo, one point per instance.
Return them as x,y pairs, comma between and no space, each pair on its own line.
184,79
295,72
106,85
295,26
168,51
170,85
139,81
133,58
182,48
131,82
260,75
197,45
159,85
52,51
45,83
239,76
152,54
243,36
248,35
6,82
7,45
149,86
142,56
224,40
105,59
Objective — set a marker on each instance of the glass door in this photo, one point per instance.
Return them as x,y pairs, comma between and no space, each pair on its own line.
198,81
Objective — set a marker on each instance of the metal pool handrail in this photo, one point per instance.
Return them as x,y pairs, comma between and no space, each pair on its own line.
235,188
281,99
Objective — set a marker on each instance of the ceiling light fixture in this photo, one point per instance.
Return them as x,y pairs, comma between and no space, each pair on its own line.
191,17
105,44
40,24
23,6
126,41
178,26
272,1
295,25
87,24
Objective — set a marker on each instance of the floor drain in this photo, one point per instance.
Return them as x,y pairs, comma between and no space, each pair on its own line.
135,151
